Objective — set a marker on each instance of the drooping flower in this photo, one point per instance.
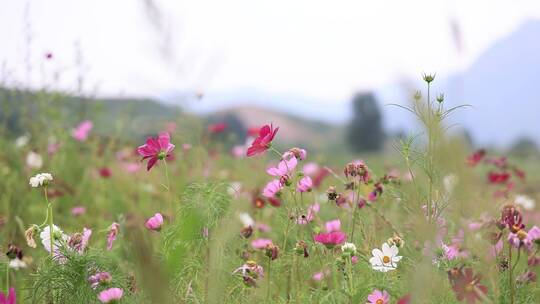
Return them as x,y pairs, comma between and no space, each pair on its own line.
331,239
250,272
155,149
466,285
272,188
386,259
100,278
11,297
40,179
378,297
305,184
154,223
298,153
29,235
34,160
263,141
112,234
111,294
80,133
78,242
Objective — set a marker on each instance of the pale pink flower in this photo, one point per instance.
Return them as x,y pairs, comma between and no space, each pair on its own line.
284,167
378,297
112,234
260,243
99,278
334,225
305,184
111,294
272,188
310,168
318,276
310,216
154,223
78,210
81,132
130,167
238,151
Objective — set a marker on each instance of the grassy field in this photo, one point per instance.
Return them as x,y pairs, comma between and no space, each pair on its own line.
453,225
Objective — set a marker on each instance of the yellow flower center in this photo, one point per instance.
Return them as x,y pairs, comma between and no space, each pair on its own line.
379,301
386,260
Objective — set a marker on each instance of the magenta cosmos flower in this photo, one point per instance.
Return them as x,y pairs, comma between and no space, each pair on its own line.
378,297
10,299
111,294
155,222
155,149
81,132
263,141
331,239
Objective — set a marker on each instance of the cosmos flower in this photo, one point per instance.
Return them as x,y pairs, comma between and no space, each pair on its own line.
40,179
310,216
272,188
78,210
250,272
263,141
78,242
331,239
261,243
525,201
305,184
155,149
154,223
466,285
11,297
99,278
476,157
334,225
112,234
111,294
34,160
217,128
386,259
59,237
81,132
378,297
284,167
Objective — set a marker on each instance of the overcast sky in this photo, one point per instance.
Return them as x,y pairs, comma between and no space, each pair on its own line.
317,49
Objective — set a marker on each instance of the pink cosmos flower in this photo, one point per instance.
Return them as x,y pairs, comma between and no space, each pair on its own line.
78,210
238,151
99,278
52,148
105,172
111,294
81,132
334,225
284,167
130,167
272,188
378,297
331,239
154,223
112,234
305,184
10,299
310,169
354,259
155,149
318,276
263,141
261,243
217,128
312,210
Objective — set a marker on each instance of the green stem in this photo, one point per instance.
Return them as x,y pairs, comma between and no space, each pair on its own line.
7,277
430,174
510,274
50,218
168,187
268,282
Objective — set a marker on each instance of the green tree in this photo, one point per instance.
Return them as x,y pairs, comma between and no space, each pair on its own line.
365,132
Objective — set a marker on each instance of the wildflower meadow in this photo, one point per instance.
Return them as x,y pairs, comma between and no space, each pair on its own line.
101,217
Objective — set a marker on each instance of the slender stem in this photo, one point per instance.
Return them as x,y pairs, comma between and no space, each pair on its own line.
429,152
510,275
168,187
268,282
351,282
50,217
7,277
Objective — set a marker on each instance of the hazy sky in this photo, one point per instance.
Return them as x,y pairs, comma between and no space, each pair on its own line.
321,49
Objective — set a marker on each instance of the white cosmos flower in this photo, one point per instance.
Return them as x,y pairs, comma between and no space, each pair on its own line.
246,219
22,141
525,201
46,238
40,179
34,160
17,264
386,259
